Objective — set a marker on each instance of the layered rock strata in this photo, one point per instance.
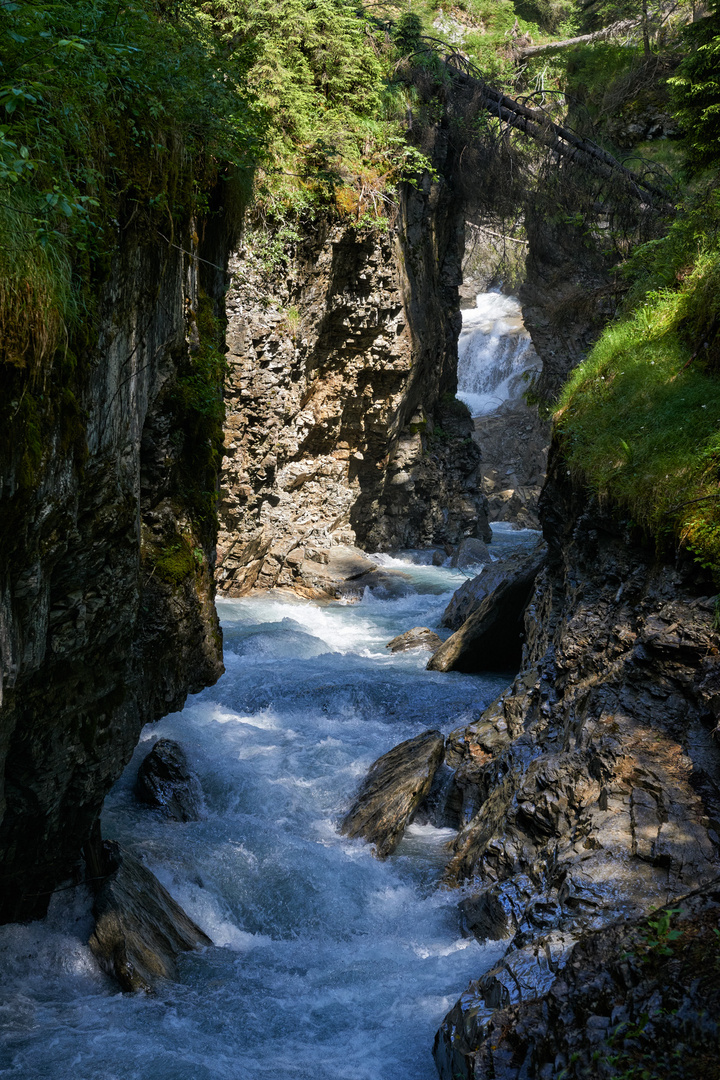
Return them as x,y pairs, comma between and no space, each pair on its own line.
342,426
106,589
638,999
590,791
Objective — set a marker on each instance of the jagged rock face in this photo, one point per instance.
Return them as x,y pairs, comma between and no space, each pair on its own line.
342,425
514,446
98,634
632,1000
591,790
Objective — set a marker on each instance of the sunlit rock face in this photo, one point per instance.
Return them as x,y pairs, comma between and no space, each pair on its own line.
342,423
95,639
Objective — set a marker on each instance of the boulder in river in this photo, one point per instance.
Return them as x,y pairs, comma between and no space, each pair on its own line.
338,572
166,781
471,593
417,638
393,789
470,552
139,928
491,637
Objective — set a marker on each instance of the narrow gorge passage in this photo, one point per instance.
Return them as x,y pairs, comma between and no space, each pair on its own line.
497,366
328,964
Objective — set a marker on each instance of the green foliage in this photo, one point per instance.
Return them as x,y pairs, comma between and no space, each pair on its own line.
317,72
696,90
660,933
640,418
174,563
198,416
109,112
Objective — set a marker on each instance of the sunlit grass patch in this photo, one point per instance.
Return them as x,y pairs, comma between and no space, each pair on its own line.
640,419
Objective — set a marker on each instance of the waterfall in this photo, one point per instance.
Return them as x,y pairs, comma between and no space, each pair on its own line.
494,354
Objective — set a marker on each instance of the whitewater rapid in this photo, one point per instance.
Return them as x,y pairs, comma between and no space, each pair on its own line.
495,354
327,964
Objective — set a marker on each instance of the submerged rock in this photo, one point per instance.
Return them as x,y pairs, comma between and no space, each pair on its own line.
338,572
394,787
166,781
417,638
139,928
491,637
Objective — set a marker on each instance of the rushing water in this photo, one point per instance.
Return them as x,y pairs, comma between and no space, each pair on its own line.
494,354
327,964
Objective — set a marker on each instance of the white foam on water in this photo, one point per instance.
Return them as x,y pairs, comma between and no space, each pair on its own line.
327,964
494,354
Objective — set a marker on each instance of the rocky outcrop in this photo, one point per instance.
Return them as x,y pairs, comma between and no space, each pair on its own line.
342,426
600,798
471,594
107,618
139,929
417,638
491,637
166,782
394,788
513,445
640,999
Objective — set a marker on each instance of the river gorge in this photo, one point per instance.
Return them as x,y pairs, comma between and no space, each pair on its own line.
432,717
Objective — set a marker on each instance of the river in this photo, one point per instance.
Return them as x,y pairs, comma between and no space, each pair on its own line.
327,964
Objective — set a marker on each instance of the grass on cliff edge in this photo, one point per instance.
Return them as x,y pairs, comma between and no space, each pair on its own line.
639,420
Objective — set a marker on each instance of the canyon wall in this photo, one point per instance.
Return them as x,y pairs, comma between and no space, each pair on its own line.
592,787
107,617
342,425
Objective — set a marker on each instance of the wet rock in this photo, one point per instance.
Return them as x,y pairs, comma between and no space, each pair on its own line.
491,637
471,594
394,787
596,778
417,638
166,782
470,552
139,929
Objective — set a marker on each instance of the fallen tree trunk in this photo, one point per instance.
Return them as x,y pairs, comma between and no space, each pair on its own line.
615,30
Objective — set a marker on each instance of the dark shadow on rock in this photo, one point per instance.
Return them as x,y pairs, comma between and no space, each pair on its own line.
491,637
166,782
629,1000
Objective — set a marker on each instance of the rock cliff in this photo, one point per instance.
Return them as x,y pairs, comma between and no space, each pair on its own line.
590,791
342,425
106,588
